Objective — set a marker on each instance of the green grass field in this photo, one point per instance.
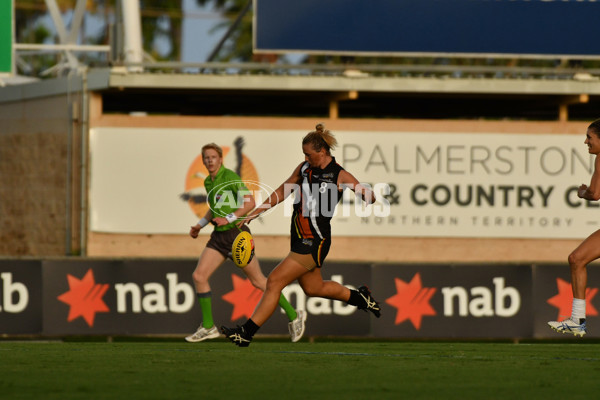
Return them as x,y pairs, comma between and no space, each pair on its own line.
272,369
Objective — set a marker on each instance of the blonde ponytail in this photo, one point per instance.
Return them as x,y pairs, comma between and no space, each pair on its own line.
321,138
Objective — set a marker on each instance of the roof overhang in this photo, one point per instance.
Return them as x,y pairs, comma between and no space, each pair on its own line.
118,78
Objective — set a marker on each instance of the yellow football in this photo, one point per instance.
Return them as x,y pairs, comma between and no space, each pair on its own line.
242,249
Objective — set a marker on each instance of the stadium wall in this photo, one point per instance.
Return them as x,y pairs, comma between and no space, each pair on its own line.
40,175
43,166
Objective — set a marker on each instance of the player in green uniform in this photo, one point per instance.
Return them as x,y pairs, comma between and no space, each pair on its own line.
229,199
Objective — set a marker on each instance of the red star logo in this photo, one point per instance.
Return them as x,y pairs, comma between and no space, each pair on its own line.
564,300
412,301
84,297
244,297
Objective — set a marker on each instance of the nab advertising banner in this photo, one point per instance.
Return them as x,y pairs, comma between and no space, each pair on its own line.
454,301
157,297
110,297
401,27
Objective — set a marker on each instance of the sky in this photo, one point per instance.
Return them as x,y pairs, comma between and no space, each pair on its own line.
197,40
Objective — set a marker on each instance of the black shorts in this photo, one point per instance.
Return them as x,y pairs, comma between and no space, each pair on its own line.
316,247
222,241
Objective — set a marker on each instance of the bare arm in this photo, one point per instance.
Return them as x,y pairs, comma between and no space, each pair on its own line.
347,180
593,191
194,230
278,195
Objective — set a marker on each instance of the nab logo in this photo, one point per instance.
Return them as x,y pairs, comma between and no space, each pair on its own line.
564,300
84,298
412,301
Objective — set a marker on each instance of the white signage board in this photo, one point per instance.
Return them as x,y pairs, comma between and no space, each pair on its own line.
441,184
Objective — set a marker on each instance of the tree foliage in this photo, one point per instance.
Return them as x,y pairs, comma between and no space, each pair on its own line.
162,23
238,46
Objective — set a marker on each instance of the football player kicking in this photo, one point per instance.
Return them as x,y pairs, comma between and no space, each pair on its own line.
320,181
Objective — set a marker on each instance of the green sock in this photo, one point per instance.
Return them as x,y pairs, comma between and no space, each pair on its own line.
287,307
206,306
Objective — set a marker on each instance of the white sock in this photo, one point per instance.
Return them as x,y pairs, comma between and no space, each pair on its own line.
578,310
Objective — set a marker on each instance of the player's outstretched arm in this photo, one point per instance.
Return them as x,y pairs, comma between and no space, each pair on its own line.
347,180
278,195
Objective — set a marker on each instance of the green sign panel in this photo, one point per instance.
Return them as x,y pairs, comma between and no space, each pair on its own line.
6,36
